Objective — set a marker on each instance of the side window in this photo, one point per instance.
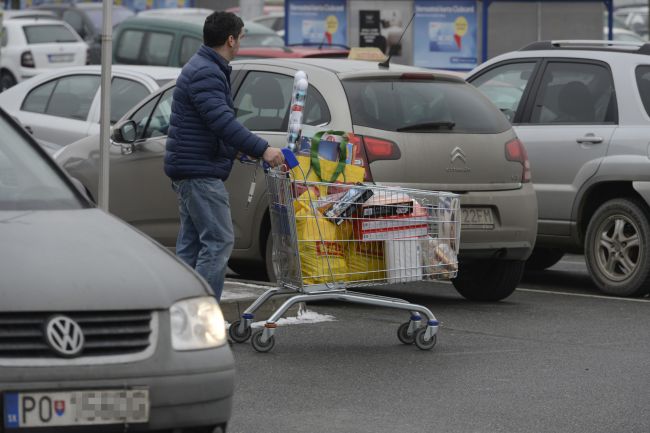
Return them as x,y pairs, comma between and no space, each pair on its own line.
316,112
142,115
159,124
129,46
36,100
573,93
643,84
505,85
69,97
262,102
157,49
124,95
76,21
189,46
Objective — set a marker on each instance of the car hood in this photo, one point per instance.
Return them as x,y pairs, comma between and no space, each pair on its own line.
85,259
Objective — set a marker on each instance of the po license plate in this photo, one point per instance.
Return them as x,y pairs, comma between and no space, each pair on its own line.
477,218
70,408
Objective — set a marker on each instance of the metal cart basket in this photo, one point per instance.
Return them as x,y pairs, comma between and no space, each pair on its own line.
330,237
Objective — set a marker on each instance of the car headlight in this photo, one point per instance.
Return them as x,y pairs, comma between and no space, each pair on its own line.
197,323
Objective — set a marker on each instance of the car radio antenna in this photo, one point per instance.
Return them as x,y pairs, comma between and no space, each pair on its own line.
386,63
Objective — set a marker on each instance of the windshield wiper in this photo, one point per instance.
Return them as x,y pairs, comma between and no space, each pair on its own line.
427,125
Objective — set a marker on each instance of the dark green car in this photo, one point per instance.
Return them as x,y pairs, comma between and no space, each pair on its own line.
159,38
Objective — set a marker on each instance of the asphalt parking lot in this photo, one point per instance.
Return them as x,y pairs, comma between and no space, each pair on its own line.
547,359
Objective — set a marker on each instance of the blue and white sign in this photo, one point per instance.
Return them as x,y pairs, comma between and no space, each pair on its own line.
445,34
316,22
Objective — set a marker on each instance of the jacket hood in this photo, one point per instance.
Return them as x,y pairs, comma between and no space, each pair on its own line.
72,260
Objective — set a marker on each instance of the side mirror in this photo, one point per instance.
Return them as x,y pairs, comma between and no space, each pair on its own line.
125,134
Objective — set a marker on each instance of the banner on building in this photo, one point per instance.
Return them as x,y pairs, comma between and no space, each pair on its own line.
316,22
445,34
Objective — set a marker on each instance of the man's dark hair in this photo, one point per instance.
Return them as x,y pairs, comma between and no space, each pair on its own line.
219,26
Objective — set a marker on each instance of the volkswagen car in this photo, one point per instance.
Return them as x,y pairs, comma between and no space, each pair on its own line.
414,128
101,328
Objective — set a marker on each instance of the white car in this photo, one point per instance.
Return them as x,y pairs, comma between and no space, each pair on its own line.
63,106
31,46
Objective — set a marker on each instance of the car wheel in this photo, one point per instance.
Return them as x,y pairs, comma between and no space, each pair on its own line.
488,280
7,80
543,258
616,248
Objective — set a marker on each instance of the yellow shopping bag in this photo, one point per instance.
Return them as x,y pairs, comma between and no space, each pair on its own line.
321,244
313,168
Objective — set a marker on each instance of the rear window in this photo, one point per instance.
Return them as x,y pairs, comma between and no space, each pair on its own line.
45,34
643,83
446,107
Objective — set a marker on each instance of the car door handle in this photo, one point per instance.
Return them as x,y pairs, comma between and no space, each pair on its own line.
589,138
28,129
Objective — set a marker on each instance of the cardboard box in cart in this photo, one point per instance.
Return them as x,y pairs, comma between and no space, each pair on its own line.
402,234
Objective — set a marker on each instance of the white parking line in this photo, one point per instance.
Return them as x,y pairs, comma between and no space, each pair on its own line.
583,295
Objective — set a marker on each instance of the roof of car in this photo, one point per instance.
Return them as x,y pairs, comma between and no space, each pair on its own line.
32,21
351,68
155,72
590,45
195,19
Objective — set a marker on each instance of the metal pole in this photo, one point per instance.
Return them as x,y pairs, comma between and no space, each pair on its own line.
105,111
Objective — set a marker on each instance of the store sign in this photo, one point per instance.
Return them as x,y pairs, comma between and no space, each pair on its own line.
445,34
316,22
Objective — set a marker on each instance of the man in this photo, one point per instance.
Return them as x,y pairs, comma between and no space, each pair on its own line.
204,138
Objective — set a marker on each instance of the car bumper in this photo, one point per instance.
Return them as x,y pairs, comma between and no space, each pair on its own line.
515,225
197,394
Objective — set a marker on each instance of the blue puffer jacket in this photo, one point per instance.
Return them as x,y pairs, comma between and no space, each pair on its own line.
204,135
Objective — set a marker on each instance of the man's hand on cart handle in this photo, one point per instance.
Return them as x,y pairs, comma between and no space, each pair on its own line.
273,156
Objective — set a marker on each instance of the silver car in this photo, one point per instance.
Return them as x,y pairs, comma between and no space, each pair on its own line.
63,106
582,108
416,129
100,327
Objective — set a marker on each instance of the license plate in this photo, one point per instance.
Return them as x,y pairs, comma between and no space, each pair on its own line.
70,408
476,218
60,58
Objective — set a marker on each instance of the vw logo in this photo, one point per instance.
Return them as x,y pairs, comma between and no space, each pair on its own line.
64,335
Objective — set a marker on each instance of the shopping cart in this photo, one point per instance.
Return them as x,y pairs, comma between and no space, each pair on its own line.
331,237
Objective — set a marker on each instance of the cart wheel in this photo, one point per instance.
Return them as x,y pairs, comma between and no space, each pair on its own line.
234,334
402,333
421,343
258,345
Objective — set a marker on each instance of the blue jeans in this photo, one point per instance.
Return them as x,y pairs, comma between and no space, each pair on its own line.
206,238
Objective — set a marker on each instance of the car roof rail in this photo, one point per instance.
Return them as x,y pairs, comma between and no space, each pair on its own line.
625,46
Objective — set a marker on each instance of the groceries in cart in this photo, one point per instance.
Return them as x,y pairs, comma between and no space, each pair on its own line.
331,232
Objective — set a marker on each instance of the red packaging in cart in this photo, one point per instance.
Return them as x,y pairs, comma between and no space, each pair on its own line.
414,224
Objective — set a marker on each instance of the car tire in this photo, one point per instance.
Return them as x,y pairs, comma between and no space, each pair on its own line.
488,280
7,80
617,248
543,258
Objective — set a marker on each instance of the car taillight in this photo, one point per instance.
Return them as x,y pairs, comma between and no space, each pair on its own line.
370,149
27,60
515,151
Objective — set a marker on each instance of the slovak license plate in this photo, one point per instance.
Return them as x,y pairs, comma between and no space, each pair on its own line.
476,218
60,58
70,408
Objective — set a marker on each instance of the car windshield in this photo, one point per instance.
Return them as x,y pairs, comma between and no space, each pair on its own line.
48,33
253,40
119,15
27,180
422,106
